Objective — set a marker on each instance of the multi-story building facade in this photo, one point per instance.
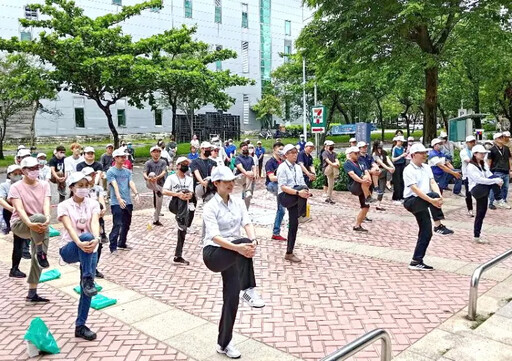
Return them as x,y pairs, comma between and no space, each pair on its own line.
258,30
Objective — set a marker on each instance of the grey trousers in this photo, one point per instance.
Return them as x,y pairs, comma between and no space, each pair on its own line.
21,230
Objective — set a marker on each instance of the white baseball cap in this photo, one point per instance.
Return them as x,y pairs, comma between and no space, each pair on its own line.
206,145
470,138
109,145
119,152
155,147
398,138
351,140
361,144
76,177
411,138
88,170
497,135
23,152
506,134
12,168
329,142
417,148
89,149
287,148
435,141
479,149
181,160
21,146
443,135
309,144
39,155
29,162
222,174
352,150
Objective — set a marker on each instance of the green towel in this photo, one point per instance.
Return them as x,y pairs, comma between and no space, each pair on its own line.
99,301
39,334
77,289
53,232
49,275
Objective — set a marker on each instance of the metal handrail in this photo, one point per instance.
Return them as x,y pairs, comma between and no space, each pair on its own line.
360,343
475,280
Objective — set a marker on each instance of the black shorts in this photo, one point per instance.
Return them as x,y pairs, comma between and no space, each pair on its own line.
356,189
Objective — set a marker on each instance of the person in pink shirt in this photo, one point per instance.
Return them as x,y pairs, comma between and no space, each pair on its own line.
80,217
30,219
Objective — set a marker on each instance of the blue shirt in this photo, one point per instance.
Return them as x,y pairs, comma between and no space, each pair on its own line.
366,160
307,161
357,168
271,167
398,151
436,157
301,145
193,156
230,150
246,161
259,151
123,177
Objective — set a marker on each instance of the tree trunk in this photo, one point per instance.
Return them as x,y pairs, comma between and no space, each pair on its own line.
430,119
111,125
2,136
191,122
35,107
174,109
330,115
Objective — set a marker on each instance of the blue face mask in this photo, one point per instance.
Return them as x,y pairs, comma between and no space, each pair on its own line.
129,145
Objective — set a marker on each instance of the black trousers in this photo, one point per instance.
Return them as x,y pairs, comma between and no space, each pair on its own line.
296,206
17,244
481,194
237,274
469,200
260,166
398,182
420,208
184,217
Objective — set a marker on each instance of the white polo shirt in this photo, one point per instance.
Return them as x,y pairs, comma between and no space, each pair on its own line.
419,176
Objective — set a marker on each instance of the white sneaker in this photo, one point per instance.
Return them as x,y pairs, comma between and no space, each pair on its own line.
501,204
230,351
398,203
253,298
470,214
480,240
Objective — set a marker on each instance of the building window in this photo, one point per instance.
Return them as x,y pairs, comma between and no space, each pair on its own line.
158,117
245,56
287,27
287,49
218,63
121,118
246,109
188,8
30,14
218,11
117,2
245,16
79,118
25,36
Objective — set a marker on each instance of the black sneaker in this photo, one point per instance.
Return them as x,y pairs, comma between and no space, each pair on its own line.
99,274
36,299
42,259
181,260
492,206
157,223
380,209
420,267
85,333
26,255
366,219
124,248
104,238
441,229
16,273
88,287
359,229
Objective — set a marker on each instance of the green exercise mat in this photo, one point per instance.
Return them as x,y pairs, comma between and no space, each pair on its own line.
99,301
49,275
78,289
39,334
53,232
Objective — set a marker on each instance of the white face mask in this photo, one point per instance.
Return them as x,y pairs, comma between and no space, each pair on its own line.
16,178
42,162
81,192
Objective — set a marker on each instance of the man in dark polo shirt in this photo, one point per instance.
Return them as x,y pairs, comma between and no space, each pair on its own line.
245,166
271,184
201,169
305,160
499,160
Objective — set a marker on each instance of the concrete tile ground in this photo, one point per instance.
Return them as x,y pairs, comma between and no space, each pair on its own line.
347,285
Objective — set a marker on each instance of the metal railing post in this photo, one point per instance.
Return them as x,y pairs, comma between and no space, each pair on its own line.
475,280
360,343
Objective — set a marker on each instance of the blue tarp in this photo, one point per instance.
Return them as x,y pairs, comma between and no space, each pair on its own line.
348,129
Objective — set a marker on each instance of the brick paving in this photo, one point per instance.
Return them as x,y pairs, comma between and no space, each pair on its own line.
312,308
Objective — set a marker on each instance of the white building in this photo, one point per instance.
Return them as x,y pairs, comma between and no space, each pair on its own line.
258,30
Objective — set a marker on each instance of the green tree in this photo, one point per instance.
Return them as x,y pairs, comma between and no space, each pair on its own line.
23,83
268,106
366,30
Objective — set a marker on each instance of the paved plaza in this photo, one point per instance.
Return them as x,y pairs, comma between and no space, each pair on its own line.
348,284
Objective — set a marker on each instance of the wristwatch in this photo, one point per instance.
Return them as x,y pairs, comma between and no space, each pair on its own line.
296,193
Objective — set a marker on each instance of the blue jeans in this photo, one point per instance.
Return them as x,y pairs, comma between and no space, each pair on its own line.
71,253
121,219
504,188
445,178
272,188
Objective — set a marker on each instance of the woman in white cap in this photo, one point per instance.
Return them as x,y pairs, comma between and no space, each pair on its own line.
410,142
481,182
380,157
45,173
14,175
79,214
359,183
180,187
331,169
398,155
225,250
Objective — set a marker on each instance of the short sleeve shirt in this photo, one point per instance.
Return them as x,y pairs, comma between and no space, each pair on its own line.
156,167
357,168
434,159
289,175
499,159
204,166
366,160
271,168
246,161
327,155
4,189
95,165
32,197
123,177
80,215
396,152
177,184
419,176
57,163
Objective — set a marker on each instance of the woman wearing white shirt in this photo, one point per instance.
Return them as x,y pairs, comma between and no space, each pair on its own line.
226,251
480,183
